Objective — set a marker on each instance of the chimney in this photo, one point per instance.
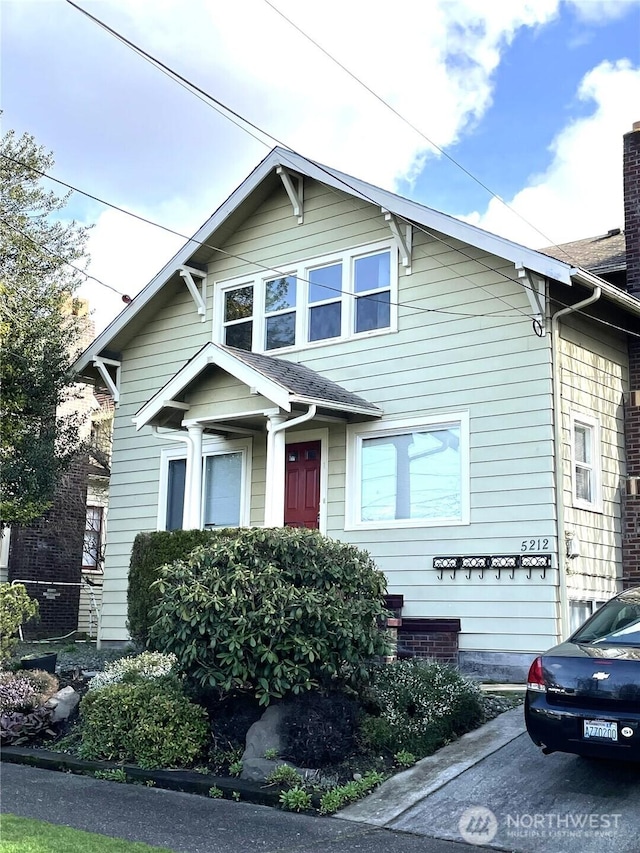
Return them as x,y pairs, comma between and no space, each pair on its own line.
631,500
631,183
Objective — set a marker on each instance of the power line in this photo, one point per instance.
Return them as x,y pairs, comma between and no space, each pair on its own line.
206,245
413,127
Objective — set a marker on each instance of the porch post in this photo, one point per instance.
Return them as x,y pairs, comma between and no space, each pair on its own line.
193,490
274,488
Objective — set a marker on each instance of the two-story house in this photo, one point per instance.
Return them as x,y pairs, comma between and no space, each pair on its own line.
326,353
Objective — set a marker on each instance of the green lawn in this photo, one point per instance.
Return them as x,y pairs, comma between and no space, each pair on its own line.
24,835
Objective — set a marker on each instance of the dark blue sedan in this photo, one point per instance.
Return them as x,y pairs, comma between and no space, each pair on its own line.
583,696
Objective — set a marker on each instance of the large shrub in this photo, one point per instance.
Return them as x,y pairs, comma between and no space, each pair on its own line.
418,705
273,610
151,551
16,607
148,722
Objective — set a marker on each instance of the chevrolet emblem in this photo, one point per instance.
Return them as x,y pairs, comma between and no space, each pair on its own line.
600,676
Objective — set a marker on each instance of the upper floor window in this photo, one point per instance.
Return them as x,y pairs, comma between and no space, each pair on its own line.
586,462
326,299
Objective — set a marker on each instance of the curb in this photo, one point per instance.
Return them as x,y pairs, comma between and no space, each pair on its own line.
404,790
187,781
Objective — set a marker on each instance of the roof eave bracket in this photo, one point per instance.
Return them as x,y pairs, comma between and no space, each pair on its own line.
113,383
404,242
295,193
199,296
536,289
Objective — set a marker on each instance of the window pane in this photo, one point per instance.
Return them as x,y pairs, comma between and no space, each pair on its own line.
583,443
373,312
280,293
372,272
412,476
281,331
175,493
583,484
238,303
92,535
239,335
325,283
325,321
223,481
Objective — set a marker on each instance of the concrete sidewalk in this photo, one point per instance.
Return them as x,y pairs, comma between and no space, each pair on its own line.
404,790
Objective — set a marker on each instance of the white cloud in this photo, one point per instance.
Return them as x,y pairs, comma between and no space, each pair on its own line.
580,194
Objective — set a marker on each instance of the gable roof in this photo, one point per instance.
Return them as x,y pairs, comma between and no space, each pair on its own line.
260,183
601,255
282,382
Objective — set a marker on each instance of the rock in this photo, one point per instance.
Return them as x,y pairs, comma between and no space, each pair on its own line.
264,734
63,704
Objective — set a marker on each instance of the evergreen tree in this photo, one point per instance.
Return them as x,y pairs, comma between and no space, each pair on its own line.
39,331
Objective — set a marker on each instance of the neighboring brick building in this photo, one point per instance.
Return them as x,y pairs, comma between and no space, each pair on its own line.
54,553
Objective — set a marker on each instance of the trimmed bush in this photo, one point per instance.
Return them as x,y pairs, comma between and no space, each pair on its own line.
151,551
16,606
419,705
25,689
271,610
149,723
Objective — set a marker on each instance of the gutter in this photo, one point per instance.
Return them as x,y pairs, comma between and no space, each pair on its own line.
559,461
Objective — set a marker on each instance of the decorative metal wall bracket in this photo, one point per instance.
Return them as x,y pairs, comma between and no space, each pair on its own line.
500,562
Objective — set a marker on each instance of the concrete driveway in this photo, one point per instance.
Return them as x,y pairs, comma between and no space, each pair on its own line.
507,795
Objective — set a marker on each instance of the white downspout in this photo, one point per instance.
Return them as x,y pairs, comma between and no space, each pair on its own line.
559,460
275,486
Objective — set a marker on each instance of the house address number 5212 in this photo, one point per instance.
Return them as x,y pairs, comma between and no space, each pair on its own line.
534,545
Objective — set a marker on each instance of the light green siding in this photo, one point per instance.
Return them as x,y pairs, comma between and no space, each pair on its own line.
594,377
464,343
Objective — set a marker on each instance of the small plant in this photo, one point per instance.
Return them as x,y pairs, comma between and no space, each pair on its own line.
147,665
16,606
215,792
342,795
295,799
236,796
284,775
115,775
235,768
404,758
150,783
271,753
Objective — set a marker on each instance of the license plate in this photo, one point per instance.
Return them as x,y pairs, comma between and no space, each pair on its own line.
600,730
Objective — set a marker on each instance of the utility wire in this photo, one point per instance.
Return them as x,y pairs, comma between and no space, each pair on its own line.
498,315
413,127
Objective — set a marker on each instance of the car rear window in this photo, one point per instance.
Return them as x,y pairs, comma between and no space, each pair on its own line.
616,623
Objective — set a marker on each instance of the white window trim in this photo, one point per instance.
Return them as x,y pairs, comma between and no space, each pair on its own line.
596,450
301,269
357,432
210,447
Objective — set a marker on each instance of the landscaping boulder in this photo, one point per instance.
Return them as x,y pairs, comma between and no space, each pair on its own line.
62,704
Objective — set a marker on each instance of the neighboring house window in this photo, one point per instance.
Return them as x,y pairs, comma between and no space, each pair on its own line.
410,474
586,461
224,488
91,550
347,295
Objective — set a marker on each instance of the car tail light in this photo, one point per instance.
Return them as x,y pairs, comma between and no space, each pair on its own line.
535,679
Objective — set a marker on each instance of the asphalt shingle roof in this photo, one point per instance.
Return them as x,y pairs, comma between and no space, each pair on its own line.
602,254
300,380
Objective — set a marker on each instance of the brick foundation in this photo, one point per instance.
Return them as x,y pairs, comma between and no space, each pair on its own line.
436,639
50,550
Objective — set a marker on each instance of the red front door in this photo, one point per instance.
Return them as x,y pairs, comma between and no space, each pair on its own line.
302,485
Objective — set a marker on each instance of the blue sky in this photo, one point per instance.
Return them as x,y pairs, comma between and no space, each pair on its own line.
531,96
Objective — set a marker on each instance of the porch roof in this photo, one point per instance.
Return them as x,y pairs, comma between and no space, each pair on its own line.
282,382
